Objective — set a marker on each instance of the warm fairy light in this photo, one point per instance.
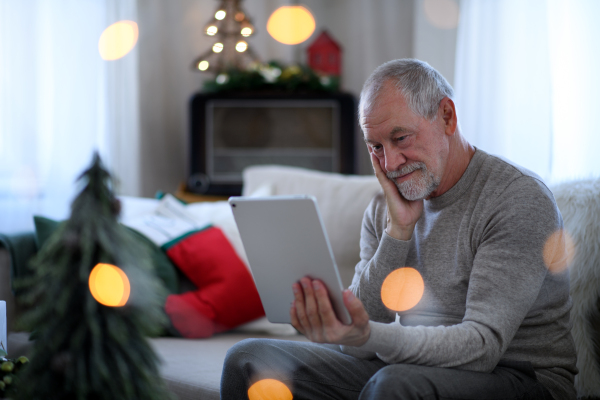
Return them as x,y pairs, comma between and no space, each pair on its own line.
291,24
443,14
212,30
241,46
269,389
217,47
239,16
246,32
220,14
109,285
222,79
118,39
559,251
402,289
203,65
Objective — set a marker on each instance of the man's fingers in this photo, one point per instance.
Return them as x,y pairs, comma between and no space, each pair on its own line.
294,318
311,305
300,308
355,308
328,316
387,185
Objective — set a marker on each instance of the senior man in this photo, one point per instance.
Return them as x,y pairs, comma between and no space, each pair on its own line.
493,320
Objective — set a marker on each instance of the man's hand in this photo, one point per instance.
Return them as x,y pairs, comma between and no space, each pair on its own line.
402,214
312,314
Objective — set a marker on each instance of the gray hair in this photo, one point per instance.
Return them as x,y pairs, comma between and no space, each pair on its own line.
421,85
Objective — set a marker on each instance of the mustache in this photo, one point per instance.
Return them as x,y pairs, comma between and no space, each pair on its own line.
407,169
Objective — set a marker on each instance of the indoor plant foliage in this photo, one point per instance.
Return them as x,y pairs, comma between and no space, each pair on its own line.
84,349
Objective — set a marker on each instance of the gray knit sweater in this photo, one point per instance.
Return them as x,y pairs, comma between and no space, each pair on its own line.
488,294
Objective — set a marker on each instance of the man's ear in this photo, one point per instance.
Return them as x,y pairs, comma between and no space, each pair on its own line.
448,113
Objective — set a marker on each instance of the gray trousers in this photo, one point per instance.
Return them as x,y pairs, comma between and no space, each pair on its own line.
314,371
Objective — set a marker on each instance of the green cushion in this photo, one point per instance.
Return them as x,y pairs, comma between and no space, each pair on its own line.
44,227
165,270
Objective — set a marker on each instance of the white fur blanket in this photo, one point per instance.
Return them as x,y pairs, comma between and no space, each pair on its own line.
579,204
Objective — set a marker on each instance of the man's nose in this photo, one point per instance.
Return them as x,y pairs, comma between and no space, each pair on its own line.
394,160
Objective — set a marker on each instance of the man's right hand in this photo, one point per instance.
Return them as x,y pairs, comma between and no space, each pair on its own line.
402,214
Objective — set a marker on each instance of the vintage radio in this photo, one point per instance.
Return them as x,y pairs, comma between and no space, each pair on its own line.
230,133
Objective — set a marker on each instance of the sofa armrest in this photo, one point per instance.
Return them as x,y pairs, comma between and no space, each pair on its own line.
6,293
15,253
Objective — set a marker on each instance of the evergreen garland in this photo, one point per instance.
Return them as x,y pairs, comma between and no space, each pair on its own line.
83,349
272,77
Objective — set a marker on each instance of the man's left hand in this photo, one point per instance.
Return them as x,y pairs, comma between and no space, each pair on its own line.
312,314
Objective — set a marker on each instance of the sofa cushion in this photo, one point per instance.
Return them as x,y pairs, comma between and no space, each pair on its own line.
226,296
342,202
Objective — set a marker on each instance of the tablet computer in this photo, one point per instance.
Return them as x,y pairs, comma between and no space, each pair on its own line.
284,238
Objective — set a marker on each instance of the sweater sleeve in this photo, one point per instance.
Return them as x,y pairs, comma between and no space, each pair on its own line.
505,280
380,254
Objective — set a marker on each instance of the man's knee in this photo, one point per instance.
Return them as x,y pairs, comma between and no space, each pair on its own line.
399,381
242,353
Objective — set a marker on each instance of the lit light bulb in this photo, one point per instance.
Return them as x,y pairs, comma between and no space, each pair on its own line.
269,389
291,24
222,79
220,14
217,47
118,40
241,46
246,32
239,16
109,285
212,30
203,65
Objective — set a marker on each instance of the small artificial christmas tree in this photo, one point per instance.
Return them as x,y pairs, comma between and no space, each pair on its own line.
230,26
84,349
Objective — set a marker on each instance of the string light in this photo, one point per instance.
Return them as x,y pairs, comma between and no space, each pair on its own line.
241,46
217,47
212,30
220,15
203,65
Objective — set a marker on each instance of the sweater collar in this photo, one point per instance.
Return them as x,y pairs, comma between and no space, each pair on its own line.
462,185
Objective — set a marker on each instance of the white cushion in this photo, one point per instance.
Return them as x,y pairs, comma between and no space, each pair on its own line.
342,201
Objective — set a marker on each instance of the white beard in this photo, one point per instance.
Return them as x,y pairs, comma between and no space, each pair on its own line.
420,185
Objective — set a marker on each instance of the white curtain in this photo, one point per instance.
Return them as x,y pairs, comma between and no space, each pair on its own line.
526,74
60,102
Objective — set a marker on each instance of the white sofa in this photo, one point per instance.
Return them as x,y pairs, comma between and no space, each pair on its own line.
192,367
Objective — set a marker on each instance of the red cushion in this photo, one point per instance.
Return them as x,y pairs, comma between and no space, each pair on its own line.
226,296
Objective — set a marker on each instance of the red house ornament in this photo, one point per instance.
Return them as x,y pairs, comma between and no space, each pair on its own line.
325,55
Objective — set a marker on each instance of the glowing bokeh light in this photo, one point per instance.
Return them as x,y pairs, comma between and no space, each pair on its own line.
220,15
222,79
291,24
246,32
109,285
203,65
402,289
559,251
217,47
442,14
269,389
118,40
241,46
212,30
239,16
